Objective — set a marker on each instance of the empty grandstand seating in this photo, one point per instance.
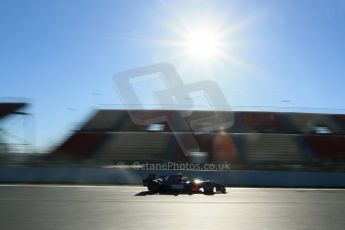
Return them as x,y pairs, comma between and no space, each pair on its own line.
264,122
106,120
273,148
327,148
308,123
130,146
257,138
121,121
341,121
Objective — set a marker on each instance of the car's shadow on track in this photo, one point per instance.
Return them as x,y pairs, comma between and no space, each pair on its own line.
148,193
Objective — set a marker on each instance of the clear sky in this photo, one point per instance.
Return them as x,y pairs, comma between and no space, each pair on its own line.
62,54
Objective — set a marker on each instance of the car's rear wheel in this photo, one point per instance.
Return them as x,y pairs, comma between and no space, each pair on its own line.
153,187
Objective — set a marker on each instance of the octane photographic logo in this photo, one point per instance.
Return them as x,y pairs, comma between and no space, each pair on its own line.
174,95
186,166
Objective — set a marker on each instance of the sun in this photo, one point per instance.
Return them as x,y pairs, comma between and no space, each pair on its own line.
202,44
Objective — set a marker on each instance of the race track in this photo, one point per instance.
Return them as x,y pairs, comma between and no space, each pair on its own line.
123,207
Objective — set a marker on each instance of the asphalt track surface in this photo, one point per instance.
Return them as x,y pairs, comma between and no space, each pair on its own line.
124,207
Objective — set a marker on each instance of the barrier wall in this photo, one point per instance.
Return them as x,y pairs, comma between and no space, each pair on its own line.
134,176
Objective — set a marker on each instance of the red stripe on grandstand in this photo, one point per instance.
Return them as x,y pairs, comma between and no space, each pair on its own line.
79,145
327,148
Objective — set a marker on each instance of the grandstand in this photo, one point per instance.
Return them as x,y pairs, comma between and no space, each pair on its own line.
328,149
314,123
8,109
148,146
8,148
256,138
340,119
273,148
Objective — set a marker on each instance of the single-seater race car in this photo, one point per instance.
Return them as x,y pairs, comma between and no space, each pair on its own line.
179,184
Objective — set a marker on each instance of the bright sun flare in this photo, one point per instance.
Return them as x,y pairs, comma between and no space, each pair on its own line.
202,44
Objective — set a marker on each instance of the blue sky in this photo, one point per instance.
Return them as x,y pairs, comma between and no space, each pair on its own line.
62,54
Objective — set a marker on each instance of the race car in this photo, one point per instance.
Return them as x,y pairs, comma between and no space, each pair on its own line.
179,184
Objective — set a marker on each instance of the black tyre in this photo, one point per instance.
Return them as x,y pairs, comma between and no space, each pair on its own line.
208,189
153,187
221,190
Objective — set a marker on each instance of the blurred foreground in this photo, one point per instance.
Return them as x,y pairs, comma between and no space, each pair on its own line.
122,207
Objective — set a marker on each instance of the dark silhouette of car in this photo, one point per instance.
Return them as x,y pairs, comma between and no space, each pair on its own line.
179,184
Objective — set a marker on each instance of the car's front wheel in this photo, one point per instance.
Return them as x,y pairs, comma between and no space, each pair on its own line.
208,189
221,190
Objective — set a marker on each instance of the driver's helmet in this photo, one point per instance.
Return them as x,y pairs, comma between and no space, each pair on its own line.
179,177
